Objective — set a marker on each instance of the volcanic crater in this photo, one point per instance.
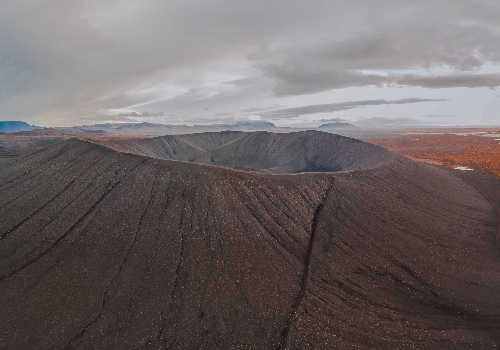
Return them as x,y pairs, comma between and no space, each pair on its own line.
228,240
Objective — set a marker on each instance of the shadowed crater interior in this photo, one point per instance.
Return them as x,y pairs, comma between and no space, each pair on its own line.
310,151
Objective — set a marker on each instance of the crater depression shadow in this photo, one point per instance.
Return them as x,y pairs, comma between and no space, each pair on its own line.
309,151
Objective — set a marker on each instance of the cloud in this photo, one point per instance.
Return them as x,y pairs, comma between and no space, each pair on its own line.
61,60
144,114
437,116
293,80
460,80
383,122
376,44
335,120
336,107
297,80
100,119
258,110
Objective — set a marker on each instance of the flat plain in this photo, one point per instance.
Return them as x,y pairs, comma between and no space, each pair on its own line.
475,148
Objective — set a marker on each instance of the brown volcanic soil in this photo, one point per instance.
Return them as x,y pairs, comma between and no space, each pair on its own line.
110,250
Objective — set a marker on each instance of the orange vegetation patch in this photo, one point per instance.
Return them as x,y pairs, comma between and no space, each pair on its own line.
451,150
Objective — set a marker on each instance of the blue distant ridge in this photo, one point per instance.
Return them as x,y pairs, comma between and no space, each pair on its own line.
16,126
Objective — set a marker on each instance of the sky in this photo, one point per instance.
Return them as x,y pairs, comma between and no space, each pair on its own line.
294,63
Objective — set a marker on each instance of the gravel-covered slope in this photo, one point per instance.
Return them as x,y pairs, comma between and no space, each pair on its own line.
404,257
109,250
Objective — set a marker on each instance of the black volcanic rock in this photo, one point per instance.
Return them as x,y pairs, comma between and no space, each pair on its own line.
110,250
16,126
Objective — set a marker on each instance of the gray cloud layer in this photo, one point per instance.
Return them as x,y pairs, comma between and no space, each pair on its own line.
458,80
61,59
302,80
342,106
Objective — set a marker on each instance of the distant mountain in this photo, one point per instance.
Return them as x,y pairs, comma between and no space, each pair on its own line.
16,126
337,125
249,126
153,129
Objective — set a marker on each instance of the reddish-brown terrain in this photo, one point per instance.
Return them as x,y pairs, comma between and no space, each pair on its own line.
449,147
245,240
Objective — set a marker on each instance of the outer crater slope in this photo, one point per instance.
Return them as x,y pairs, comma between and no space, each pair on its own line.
101,248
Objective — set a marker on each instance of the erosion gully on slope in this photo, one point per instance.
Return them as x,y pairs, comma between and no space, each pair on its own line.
70,344
108,190
286,333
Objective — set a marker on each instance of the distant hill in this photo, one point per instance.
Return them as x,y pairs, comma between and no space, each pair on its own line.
16,126
337,125
154,129
249,126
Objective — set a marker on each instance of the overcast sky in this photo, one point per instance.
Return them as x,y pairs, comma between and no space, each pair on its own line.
295,63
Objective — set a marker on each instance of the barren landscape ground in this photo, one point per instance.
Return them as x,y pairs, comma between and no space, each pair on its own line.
245,240
234,174
474,148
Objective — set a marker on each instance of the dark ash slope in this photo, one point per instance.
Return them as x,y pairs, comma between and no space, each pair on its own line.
96,242
108,250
